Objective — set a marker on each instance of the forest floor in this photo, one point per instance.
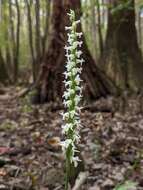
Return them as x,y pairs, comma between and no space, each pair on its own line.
31,158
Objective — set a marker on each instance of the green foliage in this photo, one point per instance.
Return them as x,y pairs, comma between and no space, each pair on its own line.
139,3
26,108
121,6
4,26
26,105
126,186
8,125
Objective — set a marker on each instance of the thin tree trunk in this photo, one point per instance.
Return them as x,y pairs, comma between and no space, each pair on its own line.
44,38
3,72
5,52
0,11
16,53
37,35
15,38
140,28
12,32
30,32
93,29
99,27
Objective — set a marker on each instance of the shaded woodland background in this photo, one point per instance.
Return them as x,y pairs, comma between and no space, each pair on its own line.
32,38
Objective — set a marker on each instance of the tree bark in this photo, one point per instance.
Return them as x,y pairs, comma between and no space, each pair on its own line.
50,86
4,78
140,27
46,28
16,53
15,37
121,58
30,33
12,38
94,29
99,27
37,36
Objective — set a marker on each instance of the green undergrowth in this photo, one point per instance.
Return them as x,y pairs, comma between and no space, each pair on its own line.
127,185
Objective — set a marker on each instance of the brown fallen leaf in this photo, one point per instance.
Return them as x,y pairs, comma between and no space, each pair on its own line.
3,172
4,150
54,141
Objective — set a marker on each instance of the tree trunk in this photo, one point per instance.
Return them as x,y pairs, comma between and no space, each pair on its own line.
46,28
37,36
140,27
15,38
16,53
94,29
99,27
3,72
30,34
12,38
50,85
121,58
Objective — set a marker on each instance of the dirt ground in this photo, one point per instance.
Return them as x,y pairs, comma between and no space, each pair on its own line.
111,144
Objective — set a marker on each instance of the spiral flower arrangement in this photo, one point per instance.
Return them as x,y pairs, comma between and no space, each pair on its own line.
73,92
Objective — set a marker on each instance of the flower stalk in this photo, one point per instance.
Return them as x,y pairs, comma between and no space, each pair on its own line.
72,95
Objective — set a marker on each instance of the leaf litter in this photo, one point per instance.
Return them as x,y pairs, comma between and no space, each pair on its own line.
111,145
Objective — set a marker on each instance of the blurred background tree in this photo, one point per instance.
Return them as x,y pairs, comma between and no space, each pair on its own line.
122,58
27,28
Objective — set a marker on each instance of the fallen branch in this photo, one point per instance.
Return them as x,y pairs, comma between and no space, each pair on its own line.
5,97
80,180
25,91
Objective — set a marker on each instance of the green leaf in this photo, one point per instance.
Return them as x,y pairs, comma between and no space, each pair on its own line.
126,186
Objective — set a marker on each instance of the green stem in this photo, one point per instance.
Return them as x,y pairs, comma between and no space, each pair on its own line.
68,166
67,176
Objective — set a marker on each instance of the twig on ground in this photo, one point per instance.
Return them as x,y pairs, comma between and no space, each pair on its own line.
80,180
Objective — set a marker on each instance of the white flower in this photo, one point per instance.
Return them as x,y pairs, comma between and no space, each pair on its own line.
76,70
71,56
81,61
67,49
65,144
77,99
71,14
66,95
67,74
66,127
71,35
79,34
73,113
70,65
67,83
77,22
77,79
71,91
78,89
76,160
70,40
79,53
65,115
76,44
80,44
76,137
68,28
67,103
